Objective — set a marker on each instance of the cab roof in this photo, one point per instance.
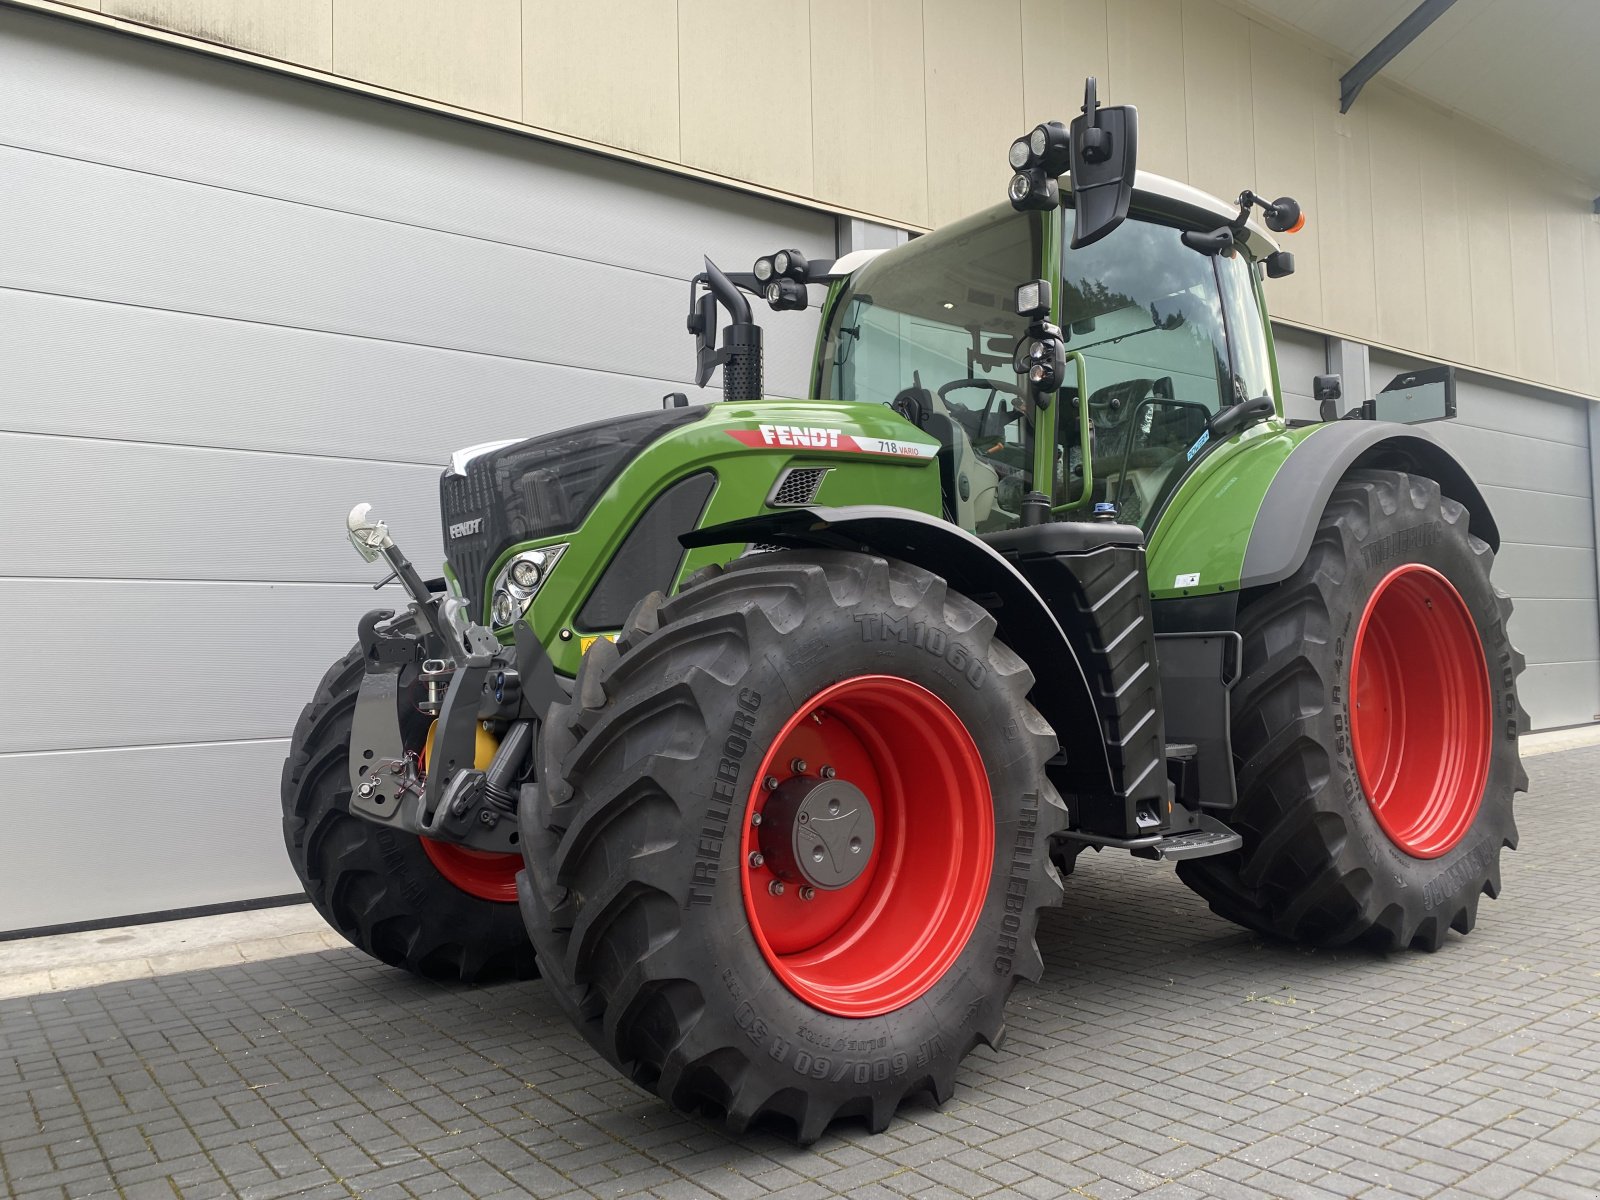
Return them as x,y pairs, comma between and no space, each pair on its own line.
1153,194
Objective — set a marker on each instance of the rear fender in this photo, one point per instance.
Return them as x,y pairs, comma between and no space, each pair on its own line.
1026,624
1293,503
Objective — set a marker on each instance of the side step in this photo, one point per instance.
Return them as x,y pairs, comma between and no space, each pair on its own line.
1213,837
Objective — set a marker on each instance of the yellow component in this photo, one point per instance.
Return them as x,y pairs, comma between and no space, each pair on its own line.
585,642
482,751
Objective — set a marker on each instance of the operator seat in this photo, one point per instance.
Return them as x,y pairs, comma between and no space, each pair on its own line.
969,483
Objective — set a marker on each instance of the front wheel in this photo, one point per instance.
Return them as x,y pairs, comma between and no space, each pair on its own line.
792,841
1374,730
435,909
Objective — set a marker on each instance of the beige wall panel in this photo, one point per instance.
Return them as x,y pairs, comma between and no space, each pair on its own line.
974,113
1530,269
1344,197
731,122
567,86
467,53
1065,41
1566,215
1591,283
1145,42
869,116
1218,99
1479,167
298,31
1399,255
1286,160
1446,254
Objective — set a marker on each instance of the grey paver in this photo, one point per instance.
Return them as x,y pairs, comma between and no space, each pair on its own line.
1164,1053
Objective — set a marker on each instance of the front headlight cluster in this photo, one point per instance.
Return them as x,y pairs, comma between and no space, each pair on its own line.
519,582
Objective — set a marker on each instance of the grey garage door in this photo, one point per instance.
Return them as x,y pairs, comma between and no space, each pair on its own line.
1529,451
231,305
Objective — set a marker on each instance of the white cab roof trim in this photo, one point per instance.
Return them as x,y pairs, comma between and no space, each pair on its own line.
853,261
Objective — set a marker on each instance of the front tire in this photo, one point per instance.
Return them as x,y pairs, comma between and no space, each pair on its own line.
420,907
1374,730
752,970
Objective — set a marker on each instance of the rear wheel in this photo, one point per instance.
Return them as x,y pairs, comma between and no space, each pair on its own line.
788,857
1375,730
437,910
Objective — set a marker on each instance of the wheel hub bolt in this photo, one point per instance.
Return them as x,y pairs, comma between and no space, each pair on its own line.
755,818
798,766
771,783
775,888
808,892
757,858
805,818
828,772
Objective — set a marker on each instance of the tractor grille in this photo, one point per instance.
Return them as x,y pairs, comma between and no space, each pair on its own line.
797,486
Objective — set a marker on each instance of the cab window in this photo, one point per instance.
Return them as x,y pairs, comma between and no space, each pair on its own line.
1145,311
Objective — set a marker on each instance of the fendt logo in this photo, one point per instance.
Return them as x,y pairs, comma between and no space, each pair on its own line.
463,528
799,435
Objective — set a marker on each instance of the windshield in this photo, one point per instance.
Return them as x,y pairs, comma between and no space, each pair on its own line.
935,321
1154,321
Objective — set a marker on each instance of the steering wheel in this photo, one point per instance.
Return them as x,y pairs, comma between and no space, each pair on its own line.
993,386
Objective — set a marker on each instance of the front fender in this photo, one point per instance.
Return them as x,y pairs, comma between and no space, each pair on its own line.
974,568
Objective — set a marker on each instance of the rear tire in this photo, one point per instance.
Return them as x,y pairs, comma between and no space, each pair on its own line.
380,887
655,920
1378,812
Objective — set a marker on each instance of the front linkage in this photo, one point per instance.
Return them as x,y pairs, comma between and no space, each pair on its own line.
442,665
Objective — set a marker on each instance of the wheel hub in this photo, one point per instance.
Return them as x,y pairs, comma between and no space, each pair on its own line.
818,832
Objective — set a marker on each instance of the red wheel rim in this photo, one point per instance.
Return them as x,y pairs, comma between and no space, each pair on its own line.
479,873
882,940
1421,715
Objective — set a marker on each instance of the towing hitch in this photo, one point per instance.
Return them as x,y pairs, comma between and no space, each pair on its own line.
408,660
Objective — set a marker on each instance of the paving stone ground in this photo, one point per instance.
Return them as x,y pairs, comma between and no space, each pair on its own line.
1165,1054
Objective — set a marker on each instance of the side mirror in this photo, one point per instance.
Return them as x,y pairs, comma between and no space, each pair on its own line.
1417,396
1105,144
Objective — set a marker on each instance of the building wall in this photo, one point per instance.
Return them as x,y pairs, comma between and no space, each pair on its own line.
233,304
1427,234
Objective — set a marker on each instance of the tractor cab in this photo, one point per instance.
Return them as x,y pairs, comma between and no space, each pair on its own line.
1160,337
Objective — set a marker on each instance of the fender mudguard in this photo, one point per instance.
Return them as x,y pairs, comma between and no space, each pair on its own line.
1293,503
971,566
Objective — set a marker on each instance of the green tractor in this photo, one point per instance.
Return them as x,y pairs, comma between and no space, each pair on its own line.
764,729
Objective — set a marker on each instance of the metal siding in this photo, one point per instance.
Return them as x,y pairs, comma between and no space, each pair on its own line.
232,304
189,827
1530,453
1301,357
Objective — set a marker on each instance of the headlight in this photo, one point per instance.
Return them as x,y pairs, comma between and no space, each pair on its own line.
1021,152
1039,141
502,611
525,573
519,582
763,271
780,262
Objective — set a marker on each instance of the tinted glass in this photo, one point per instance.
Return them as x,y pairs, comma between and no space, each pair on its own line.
936,318
1144,311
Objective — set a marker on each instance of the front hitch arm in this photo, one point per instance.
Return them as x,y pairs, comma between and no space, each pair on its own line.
451,801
